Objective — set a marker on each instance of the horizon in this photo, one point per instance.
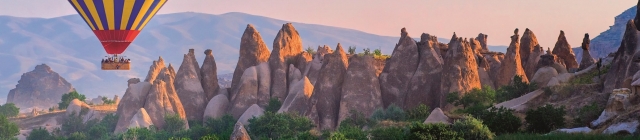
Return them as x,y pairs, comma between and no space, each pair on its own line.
499,22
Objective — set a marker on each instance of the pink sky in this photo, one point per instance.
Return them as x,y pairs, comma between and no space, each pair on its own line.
497,18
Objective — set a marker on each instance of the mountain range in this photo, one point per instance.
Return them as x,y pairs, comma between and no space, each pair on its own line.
609,40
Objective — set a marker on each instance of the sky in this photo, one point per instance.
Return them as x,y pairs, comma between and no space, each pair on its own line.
497,18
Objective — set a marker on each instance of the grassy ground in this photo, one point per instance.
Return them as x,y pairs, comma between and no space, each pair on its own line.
564,137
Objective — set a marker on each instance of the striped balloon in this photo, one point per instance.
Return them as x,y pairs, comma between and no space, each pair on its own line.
116,23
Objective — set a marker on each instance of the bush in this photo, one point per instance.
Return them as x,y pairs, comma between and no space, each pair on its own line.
209,137
357,119
438,131
352,132
139,134
501,120
475,101
388,133
78,136
310,50
173,123
278,125
274,105
72,123
419,113
67,98
40,134
472,129
337,136
366,51
545,119
222,127
515,89
352,50
588,113
392,112
109,121
108,101
377,52
9,110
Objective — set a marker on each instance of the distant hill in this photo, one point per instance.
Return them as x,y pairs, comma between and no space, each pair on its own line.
71,49
609,40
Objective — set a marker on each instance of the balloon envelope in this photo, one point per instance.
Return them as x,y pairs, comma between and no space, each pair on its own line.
117,23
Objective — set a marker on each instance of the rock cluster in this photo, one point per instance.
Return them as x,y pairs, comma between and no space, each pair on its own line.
563,50
512,64
253,51
40,88
398,70
460,69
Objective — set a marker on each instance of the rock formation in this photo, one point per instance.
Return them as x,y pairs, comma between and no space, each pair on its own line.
563,50
618,103
132,100
140,120
253,51
587,60
460,69
154,70
312,70
285,48
530,52
76,106
253,111
495,62
239,133
482,38
511,65
398,70
189,88
253,88
360,88
217,107
157,103
424,86
302,61
209,73
293,76
622,59
327,90
299,98
543,75
437,116
40,88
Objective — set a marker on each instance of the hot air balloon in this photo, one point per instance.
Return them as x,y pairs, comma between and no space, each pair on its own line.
116,23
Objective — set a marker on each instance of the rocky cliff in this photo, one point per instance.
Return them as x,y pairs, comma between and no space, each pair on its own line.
41,88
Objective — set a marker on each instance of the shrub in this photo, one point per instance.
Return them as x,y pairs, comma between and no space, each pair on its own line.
501,120
98,131
278,125
310,50
515,89
472,129
306,136
393,112
78,136
545,119
337,136
108,101
388,133
438,131
352,132
222,127
352,50
209,137
67,98
366,51
377,52
139,134
110,121
40,134
9,110
588,113
274,105
356,118
72,123
419,113
173,123
475,101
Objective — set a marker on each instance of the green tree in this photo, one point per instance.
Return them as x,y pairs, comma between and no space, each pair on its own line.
352,50
472,129
173,123
438,131
278,125
419,113
72,123
67,98
501,120
109,121
310,50
545,119
475,101
9,110
352,132
40,134
108,101
515,89
8,129
588,113
78,136
377,52
388,133
393,112
274,105
222,127
356,118
367,51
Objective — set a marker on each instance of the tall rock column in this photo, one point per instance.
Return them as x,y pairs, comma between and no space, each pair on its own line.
327,91
189,87
563,51
253,51
398,71
424,87
511,65
587,60
460,69
286,47
209,73
530,52
360,89
483,41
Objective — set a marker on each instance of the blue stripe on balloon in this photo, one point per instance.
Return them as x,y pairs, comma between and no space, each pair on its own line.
74,7
102,14
146,15
118,7
134,13
84,7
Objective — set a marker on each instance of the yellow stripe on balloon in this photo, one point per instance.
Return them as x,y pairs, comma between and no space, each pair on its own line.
126,12
94,13
143,10
84,15
108,9
155,10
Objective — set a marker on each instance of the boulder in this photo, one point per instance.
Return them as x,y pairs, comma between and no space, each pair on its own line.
623,127
285,48
189,88
544,75
132,100
618,103
511,65
398,70
76,106
327,90
217,107
587,60
253,111
253,51
360,88
140,120
299,98
460,69
40,88
209,73
532,63
437,116
424,86
584,130
563,50
97,101
239,133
